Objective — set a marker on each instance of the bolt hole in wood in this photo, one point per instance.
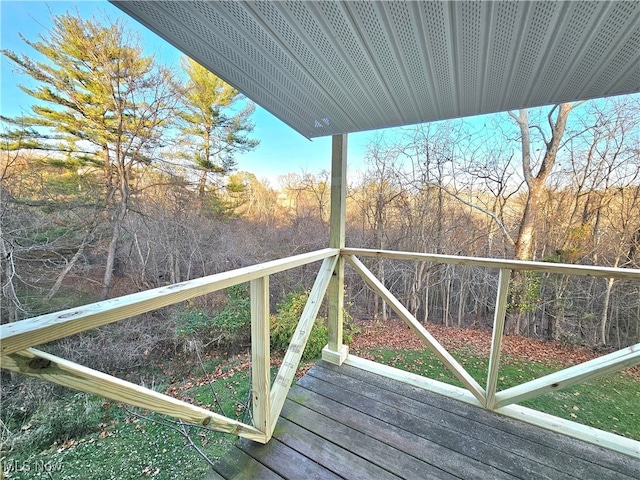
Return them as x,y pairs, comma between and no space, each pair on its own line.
39,363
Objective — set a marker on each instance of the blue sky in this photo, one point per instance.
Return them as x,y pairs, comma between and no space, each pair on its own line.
281,150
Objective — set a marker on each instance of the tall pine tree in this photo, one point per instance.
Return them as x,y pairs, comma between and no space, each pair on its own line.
213,129
100,103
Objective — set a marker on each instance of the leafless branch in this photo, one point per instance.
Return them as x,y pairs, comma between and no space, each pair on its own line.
179,427
185,433
206,374
493,216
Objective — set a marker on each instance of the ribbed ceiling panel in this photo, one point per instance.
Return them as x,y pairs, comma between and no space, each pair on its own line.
335,67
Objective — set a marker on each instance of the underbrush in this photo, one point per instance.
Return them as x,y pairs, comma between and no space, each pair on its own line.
609,403
52,421
198,329
285,321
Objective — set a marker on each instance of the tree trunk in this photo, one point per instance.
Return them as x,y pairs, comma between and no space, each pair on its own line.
536,182
10,302
202,185
446,297
65,272
111,258
426,298
524,243
605,307
118,221
416,287
524,248
461,300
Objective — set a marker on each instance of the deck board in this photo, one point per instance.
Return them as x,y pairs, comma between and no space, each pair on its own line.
372,449
343,422
343,462
568,448
237,465
285,461
514,455
458,453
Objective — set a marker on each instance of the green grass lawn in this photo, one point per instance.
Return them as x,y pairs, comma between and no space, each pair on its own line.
130,443
125,442
609,403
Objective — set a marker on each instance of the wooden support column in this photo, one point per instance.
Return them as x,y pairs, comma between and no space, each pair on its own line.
335,352
260,356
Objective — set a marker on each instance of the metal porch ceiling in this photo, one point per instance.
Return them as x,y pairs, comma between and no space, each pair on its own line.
335,67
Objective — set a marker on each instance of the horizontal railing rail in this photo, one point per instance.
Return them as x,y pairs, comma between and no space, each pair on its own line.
519,265
18,339
488,396
46,328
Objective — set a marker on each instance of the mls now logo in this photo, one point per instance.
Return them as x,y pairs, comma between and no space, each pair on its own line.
34,466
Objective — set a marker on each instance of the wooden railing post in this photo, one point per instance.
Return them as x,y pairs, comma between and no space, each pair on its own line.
335,352
260,356
496,340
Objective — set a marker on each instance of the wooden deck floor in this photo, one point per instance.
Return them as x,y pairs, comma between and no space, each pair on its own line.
343,422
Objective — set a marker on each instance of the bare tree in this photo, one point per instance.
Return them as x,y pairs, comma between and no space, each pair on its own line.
536,181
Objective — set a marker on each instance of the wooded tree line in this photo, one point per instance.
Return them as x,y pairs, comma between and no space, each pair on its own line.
123,179
560,184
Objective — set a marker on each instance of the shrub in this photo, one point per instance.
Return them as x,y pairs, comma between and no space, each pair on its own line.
285,321
236,317
349,327
230,328
193,321
524,292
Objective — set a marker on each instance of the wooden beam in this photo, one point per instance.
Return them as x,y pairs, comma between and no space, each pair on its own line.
336,314
559,268
498,332
414,379
43,365
335,352
21,335
444,356
260,355
607,364
585,433
299,339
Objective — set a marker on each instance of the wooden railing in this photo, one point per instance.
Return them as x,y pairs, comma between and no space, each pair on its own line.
487,397
18,339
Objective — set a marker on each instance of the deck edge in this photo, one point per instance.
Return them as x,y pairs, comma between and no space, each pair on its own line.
601,438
